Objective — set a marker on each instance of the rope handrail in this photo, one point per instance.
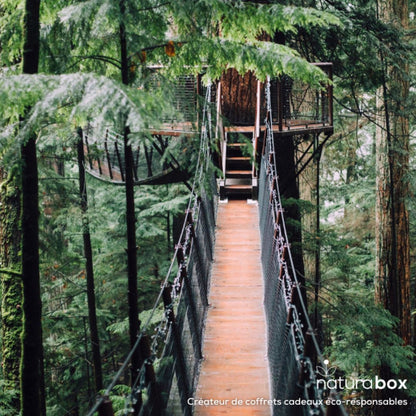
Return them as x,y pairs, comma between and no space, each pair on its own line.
291,334
197,223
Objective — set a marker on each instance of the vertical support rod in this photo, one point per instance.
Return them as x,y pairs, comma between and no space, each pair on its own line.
107,154
120,164
330,98
318,152
280,104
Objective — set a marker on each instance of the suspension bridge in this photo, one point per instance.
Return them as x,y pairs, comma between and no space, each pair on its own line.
235,337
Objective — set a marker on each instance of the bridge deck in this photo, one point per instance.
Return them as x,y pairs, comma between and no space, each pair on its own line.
235,365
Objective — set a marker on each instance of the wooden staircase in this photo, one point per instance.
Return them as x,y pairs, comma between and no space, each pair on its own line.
238,181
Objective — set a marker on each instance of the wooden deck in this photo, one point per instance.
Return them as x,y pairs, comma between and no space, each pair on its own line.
296,128
235,369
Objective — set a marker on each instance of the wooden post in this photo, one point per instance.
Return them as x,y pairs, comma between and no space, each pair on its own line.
154,405
180,366
106,407
180,257
333,409
110,170
119,161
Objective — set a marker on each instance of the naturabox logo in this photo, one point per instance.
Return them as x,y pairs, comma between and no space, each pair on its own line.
329,382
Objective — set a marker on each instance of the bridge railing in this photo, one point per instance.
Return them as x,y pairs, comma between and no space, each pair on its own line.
153,163
293,350
171,351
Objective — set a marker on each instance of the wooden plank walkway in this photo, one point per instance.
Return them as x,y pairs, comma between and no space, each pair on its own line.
235,369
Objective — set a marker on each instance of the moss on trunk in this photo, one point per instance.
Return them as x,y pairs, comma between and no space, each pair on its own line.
11,284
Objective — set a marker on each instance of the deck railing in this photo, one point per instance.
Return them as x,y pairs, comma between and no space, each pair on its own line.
296,105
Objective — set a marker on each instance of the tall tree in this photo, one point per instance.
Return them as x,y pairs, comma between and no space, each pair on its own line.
132,298
10,233
392,283
89,269
392,146
31,367
11,282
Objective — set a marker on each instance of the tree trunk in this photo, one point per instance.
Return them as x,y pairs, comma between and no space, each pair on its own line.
92,313
238,97
392,283
286,171
32,307
32,330
392,152
134,323
11,284
308,192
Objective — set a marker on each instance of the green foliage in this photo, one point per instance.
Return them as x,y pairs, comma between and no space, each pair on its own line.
263,58
245,20
361,337
63,275
80,82
7,399
361,346
85,96
11,15
252,20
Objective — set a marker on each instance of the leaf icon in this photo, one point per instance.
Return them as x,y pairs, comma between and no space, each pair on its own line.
321,371
325,371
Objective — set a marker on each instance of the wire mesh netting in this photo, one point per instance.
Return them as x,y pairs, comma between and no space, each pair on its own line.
292,346
182,92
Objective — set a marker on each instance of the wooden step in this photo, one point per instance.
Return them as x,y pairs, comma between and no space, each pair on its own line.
238,160
236,145
238,190
238,181
239,129
238,173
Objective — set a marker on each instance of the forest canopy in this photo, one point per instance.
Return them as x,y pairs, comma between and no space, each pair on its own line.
93,65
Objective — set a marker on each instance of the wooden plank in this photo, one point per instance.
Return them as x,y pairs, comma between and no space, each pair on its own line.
235,365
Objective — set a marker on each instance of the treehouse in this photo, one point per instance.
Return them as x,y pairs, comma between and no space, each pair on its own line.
238,117
297,110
